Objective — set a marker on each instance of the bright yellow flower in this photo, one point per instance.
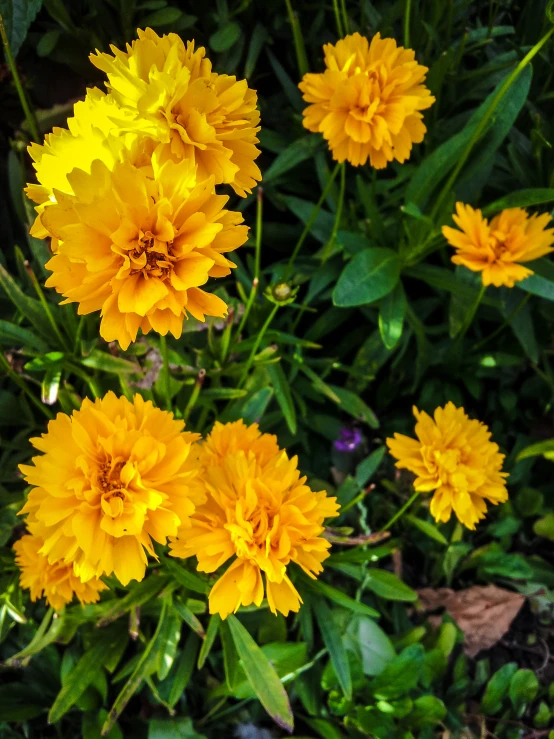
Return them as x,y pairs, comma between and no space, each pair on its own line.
56,581
138,242
454,457
496,248
259,509
113,476
367,101
168,90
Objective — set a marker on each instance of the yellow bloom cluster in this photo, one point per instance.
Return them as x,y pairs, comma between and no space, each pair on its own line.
127,193
496,249
117,475
454,458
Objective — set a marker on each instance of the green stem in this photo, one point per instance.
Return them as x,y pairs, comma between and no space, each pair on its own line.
483,123
299,46
310,222
257,343
338,215
29,114
255,281
165,372
345,16
49,314
194,394
470,316
338,20
20,382
504,325
407,13
399,513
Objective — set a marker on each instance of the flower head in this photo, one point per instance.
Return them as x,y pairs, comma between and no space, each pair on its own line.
168,90
496,249
137,241
454,457
113,476
57,582
259,510
368,100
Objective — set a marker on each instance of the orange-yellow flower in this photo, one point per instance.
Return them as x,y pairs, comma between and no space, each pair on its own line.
137,241
454,457
57,582
168,90
496,249
259,510
113,476
368,100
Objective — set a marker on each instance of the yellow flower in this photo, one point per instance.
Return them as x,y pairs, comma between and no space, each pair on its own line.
496,248
113,476
367,101
260,510
56,581
137,242
168,90
454,457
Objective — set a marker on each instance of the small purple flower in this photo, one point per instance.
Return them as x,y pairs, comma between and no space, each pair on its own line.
349,440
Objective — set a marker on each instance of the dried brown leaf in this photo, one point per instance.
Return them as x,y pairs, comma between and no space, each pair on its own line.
484,614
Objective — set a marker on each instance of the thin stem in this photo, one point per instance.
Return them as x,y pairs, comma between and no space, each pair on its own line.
470,316
257,343
506,323
407,14
29,114
399,513
338,20
165,372
255,281
345,16
194,394
49,315
338,215
310,222
483,123
20,382
299,47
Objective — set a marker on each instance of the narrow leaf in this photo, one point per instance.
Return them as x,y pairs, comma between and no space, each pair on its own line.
332,639
282,393
207,644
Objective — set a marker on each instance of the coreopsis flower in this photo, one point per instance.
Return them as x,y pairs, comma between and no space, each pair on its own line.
368,100
57,582
168,90
113,476
260,514
496,249
453,457
137,242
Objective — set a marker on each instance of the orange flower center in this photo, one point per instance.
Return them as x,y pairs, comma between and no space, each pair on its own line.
152,256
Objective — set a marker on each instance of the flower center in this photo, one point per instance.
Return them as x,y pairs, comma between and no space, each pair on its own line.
152,256
497,242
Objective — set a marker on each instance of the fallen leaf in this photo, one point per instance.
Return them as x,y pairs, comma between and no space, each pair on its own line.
484,614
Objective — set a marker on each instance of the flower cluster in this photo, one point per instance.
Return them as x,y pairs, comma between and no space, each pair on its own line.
454,458
117,476
127,193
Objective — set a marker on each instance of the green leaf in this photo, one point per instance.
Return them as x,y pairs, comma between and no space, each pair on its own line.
537,285
187,579
369,275
18,16
445,279
230,656
292,156
545,526
15,336
369,640
391,316
366,469
142,669
427,528
544,448
355,406
108,363
207,644
257,41
189,618
185,665
168,642
524,687
387,585
223,393
520,199
337,596
282,393
261,676
162,17
139,594
225,37
427,711
83,674
332,639
29,307
401,675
